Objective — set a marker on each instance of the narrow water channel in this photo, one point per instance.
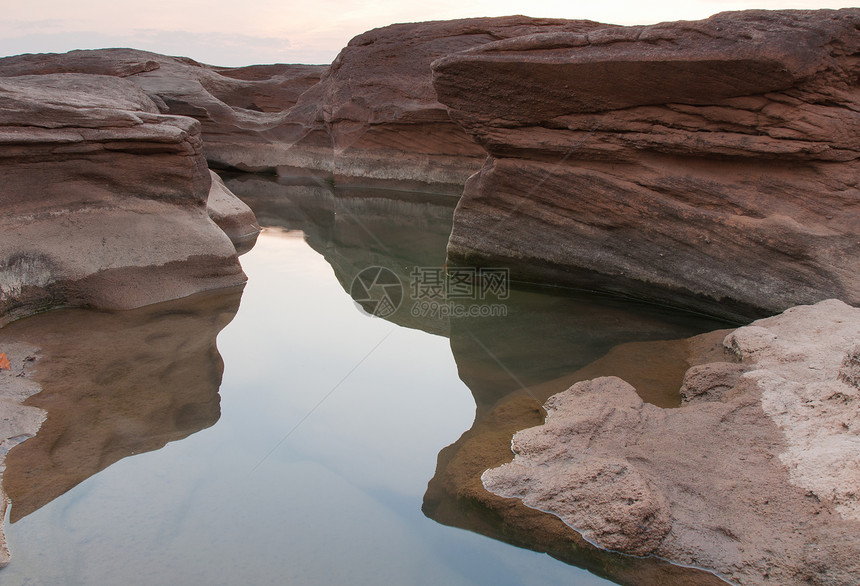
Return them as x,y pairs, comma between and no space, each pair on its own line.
309,463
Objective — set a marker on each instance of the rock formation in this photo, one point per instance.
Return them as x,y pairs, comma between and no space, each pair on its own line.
371,116
232,215
709,164
241,110
104,199
374,114
19,422
756,482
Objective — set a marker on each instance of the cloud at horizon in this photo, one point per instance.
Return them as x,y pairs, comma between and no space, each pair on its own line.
267,32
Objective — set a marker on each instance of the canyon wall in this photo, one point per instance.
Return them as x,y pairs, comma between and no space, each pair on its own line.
710,165
104,199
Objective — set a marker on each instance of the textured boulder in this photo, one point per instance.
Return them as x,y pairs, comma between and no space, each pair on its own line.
374,113
241,110
709,164
757,483
456,496
104,199
232,215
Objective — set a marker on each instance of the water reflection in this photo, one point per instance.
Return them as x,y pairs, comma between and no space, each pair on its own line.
125,383
546,341
358,228
115,384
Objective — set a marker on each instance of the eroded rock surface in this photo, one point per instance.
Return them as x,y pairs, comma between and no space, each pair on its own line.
104,199
232,215
375,115
242,110
709,164
18,422
756,482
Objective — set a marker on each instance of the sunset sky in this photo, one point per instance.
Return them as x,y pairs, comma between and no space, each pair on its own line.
268,31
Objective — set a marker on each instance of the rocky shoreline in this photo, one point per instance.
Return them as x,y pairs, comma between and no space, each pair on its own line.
707,165
754,477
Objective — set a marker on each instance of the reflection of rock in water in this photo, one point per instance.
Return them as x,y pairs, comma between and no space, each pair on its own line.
113,385
543,341
357,228
544,337
456,496
753,477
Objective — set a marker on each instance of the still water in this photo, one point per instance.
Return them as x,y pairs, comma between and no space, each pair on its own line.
309,462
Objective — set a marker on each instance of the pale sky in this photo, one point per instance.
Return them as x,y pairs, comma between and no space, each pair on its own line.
278,31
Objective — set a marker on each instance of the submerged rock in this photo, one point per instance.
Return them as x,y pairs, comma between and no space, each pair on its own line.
104,199
709,164
756,483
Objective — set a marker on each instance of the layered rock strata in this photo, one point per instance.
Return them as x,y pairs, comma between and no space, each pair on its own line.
754,477
375,115
241,110
709,164
371,116
104,199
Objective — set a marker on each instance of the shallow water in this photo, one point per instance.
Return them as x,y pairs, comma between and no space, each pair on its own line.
314,468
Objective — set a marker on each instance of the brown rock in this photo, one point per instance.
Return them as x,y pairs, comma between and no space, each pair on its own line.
758,486
104,199
374,114
232,215
709,164
241,110
606,499
801,375
711,381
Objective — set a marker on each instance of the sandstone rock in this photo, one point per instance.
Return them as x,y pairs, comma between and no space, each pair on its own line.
104,199
711,381
17,421
241,110
804,376
709,164
757,483
374,114
232,215
606,499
